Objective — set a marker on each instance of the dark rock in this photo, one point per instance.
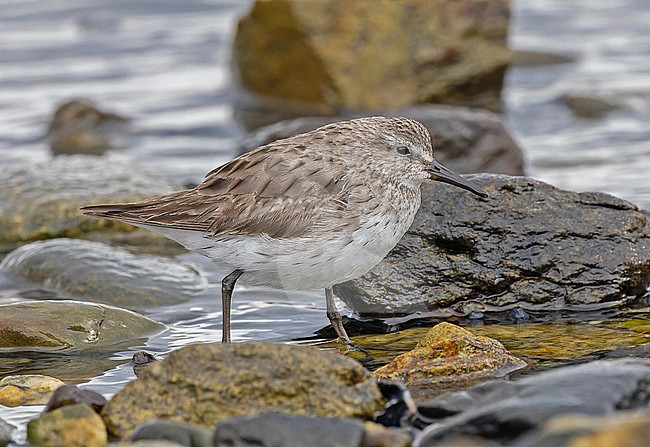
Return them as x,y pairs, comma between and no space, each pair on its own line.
96,272
180,433
464,140
69,426
32,389
449,357
71,395
204,383
503,411
622,429
141,360
78,127
57,326
356,55
42,200
286,430
528,245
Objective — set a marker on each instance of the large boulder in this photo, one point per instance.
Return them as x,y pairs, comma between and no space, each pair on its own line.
464,140
374,54
96,272
529,244
205,383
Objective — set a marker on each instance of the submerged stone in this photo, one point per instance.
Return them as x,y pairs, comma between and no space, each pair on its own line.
528,245
96,272
205,383
70,326
449,357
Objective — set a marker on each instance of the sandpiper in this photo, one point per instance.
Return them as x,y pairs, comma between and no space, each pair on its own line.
305,212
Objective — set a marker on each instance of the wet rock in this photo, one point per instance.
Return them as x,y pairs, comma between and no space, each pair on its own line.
70,426
449,357
42,200
6,430
503,411
454,52
178,432
588,107
27,389
203,384
529,245
72,395
464,140
623,429
141,360
57,326
79,127
287,430
96,272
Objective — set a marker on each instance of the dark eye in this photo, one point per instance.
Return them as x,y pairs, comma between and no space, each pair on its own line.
403,150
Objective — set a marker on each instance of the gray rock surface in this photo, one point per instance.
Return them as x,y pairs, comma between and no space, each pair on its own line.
181,433
503,411
277,429
529,244
96,272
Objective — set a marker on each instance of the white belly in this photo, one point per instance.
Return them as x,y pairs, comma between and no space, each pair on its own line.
301,263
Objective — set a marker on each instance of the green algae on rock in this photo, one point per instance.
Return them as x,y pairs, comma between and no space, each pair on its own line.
205,383
560,341
96,272
42,200
52,326
70,426
449,357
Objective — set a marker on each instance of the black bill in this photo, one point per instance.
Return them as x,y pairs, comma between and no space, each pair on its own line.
441,174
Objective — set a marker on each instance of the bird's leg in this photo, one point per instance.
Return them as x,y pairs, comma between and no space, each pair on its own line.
335,317
227,286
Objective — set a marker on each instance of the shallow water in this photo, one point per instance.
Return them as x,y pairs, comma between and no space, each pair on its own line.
165,64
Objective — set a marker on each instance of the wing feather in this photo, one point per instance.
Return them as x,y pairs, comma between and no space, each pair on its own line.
279,190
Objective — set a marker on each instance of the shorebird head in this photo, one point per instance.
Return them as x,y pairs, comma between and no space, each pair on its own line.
408,143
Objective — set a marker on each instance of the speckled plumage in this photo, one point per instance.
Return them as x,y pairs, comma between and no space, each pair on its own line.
306,212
